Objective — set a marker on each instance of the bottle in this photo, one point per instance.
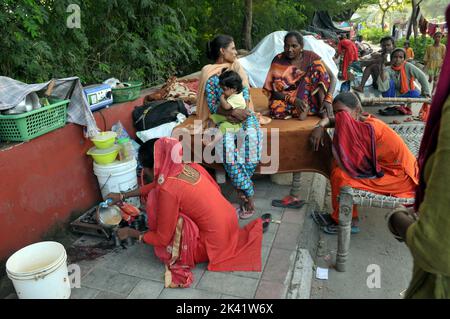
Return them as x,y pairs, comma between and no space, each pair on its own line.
126,151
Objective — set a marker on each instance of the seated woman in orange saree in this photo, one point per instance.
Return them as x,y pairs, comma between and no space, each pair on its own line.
190,221
298,82
368,155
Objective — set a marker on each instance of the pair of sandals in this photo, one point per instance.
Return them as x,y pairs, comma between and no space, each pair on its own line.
328,225
288,202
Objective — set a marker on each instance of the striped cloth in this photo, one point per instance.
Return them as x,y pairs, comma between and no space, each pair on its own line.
12,92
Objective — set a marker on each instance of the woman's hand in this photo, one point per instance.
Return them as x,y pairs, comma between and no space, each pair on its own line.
399,220
328,108
116,197
300,105
316,138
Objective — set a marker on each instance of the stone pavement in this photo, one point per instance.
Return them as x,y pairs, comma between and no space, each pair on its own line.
136,273
291,251
373,248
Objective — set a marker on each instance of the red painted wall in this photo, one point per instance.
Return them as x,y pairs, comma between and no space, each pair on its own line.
45,180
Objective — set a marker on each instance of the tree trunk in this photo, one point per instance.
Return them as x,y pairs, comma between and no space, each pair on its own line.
411,22
382,20
414,21
247,27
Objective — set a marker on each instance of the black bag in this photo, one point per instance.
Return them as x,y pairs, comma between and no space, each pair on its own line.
156,113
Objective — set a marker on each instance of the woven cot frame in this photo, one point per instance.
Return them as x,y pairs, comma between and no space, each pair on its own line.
412,136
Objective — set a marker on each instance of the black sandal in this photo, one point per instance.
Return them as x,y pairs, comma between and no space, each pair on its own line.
266,219
322,219
389,111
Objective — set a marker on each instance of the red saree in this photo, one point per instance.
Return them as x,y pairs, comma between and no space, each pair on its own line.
193,223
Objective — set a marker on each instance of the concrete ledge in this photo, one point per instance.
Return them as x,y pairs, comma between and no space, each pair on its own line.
300,287
302,270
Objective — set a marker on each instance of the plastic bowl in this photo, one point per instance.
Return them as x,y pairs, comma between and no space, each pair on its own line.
103,156
104,140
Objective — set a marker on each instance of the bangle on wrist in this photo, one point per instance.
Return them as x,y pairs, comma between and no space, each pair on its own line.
328,98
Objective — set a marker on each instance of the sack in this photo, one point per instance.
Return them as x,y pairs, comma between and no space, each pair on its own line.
155,113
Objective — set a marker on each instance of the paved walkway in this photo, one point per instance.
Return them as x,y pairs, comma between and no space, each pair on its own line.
287,263
136,272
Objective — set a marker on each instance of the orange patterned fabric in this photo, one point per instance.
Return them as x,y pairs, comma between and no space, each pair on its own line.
303,82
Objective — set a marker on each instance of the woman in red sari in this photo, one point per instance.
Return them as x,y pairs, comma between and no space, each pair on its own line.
298,82
349,50
190,221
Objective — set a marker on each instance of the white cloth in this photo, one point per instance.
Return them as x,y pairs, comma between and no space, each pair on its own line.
163,130
257,63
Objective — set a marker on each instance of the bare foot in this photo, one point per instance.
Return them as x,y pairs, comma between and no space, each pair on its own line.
242,197
358,88
246,202
250,204
302,115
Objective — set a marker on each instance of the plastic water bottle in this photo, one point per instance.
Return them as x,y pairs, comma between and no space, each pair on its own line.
126,151
106,203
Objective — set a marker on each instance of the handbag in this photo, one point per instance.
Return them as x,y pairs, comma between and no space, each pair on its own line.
156,113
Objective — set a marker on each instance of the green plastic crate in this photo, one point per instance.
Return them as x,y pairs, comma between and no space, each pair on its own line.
128,93
26,126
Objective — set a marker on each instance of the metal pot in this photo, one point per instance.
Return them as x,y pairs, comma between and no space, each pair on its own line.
109,217
29,103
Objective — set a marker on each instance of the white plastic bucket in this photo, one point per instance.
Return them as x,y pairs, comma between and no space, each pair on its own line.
39,271
118,177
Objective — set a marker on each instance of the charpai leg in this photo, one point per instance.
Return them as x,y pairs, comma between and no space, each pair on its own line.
295,189
344,228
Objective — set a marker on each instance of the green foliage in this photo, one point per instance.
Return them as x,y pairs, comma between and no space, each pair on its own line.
373,35
128,39
146,40
419,45
273,15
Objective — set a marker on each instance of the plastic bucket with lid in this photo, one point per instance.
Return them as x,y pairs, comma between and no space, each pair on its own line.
118,177
39,271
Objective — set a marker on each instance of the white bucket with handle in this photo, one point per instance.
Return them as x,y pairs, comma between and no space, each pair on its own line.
39,271
118,177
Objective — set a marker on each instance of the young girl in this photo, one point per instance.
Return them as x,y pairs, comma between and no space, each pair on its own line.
232,98
434,56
